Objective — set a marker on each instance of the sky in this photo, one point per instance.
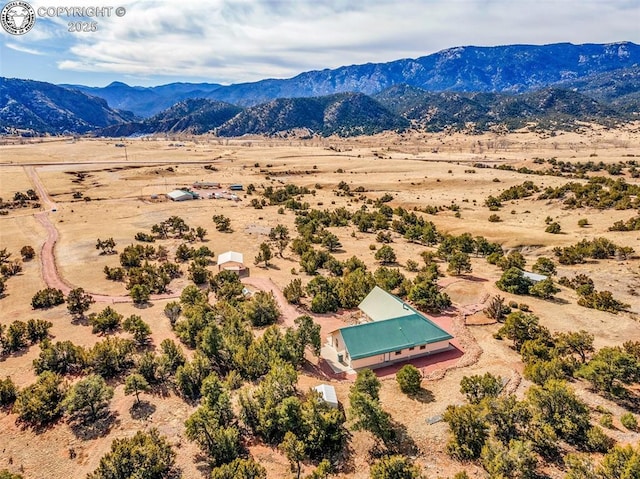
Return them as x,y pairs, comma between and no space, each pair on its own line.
156,42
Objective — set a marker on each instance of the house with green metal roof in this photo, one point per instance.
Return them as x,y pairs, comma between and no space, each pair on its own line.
391,331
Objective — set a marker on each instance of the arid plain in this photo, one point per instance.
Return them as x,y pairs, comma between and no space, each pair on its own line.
119,187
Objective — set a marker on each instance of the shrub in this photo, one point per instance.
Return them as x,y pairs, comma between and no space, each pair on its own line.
8,392
385,255
412,265
106,321
390,467
494,219
47,298
27,253
607,421
146,455
629,421
409,379
553,228
40,403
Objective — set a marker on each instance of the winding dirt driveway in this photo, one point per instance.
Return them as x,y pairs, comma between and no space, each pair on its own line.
50,273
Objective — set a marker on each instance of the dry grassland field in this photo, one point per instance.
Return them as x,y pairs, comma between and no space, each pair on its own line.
119,191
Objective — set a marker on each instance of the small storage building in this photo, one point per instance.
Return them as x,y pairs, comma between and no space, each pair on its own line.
180,195
328,394
232,261
236,187
534,277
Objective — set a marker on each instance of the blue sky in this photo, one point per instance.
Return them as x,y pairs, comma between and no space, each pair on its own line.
233,41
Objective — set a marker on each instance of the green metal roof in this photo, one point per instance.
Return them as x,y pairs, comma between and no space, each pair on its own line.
378,337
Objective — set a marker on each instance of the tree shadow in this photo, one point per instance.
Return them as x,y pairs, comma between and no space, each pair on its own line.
160,389
80,320
472,278
627,399
424,396
86,429
403,442
142,410
202,463
345,462
145,305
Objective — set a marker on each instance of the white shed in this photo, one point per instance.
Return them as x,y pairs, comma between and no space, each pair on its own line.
230,257
180,195
232,261
536,278
328,394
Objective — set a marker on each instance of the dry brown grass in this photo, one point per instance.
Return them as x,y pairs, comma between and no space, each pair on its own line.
417,169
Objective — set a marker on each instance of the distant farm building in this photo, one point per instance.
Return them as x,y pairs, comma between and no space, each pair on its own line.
223,195
328,394
236,187
232,261
206,185
395,332
181,195
534,277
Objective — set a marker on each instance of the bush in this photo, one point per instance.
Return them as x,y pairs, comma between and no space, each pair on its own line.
629,421
47,298
598,441
106,321
607,421
262,309
40,404
293,292
147,455
553,228
8,392
27,253
494,218
392,467
385,255
409,379
412,265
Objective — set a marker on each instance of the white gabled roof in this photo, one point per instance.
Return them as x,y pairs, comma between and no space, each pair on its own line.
534,277
230,257
179,194
328,394
380,305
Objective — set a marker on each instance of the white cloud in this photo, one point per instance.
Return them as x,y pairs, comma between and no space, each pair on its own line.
232,41
20,48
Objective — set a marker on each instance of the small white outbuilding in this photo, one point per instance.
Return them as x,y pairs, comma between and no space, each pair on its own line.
180,195
328,394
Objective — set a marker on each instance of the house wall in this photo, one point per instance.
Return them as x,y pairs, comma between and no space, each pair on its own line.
336,341
379,360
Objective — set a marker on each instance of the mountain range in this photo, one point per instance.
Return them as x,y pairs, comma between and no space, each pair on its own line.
508,85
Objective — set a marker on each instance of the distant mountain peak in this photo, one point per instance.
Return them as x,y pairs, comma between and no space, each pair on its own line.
117,84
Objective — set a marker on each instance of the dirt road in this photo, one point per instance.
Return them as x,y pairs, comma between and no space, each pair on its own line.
50,273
